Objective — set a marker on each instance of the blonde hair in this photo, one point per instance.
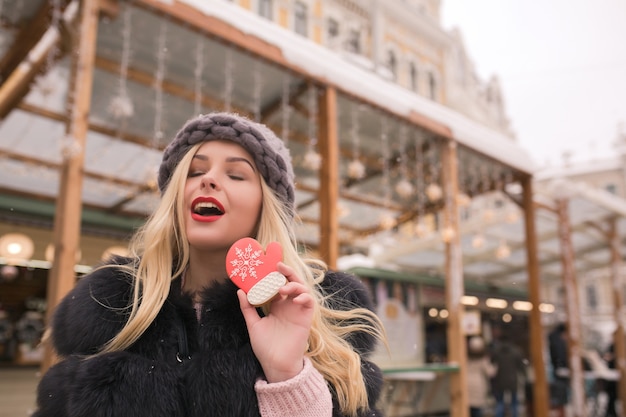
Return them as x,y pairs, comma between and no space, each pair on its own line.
162,253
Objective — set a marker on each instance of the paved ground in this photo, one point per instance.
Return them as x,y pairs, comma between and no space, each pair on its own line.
17,391
18,386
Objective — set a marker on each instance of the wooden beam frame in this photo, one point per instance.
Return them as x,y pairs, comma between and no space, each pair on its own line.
329,176
69,204
540,386
619,337
457,350
572,305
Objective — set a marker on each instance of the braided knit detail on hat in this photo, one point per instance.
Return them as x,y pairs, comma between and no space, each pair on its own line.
271,157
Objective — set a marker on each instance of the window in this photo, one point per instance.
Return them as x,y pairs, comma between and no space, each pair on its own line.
611,188
300,18
332,29
592,297
414,77
354,41
392,63
265,9
432,84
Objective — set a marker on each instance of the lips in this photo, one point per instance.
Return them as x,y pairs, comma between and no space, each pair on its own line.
206,209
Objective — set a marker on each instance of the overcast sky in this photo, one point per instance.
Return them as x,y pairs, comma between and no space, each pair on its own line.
561,64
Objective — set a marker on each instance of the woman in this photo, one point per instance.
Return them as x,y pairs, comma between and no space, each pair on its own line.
480,370
166,333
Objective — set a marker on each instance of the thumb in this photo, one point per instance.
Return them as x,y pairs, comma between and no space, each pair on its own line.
250,315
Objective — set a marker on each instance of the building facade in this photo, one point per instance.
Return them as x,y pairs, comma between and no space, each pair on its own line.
400,40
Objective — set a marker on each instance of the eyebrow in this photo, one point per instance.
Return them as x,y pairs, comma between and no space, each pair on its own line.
230,159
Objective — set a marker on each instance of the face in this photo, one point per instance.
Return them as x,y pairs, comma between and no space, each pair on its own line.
222,196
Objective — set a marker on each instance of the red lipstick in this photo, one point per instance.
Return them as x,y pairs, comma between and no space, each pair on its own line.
206,209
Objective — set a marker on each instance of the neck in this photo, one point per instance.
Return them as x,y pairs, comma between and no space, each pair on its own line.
203,270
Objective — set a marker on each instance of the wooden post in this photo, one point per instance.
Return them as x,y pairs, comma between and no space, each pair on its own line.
619,340
69,202
457,351
577,381
329,177
540,384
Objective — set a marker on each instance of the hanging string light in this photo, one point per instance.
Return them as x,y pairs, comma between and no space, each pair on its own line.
356,169
404,188
46,84
503,251
478,241
447,234
488,213
421,230
513,214
387,221
433,189
285,107
257,78
312,159
463,200
158,84
228,80
197,74
121,105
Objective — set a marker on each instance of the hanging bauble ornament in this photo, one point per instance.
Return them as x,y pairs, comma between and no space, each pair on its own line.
503,250
342,211
404,188
478,241
312,160
512,217
447,234
387,222
434,192
356,169
121,107
421,230
463,200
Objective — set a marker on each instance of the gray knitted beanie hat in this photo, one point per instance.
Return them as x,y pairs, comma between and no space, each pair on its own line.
271,157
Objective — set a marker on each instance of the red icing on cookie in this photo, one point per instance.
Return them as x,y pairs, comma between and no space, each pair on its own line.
247,263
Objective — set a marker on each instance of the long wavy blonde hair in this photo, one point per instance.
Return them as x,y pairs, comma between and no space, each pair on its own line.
162,254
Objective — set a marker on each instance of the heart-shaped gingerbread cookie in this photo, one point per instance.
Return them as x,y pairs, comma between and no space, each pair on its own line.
254,270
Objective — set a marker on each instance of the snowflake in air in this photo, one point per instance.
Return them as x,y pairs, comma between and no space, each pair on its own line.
245,263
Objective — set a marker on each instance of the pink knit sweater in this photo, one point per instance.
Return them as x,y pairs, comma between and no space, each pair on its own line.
305,395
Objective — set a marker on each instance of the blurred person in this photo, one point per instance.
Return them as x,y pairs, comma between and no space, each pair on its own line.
480,370
509,363
610,385
559,358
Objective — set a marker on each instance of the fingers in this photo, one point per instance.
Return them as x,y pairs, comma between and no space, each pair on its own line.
298,293
296,288
289,273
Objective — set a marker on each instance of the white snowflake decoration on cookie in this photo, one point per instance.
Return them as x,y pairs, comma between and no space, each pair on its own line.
245,263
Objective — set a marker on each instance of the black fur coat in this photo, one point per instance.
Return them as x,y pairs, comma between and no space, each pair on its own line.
147,379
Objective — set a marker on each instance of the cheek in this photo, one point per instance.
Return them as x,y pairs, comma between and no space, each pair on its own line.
254,205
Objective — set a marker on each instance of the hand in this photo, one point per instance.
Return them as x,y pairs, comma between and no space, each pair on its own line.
280,339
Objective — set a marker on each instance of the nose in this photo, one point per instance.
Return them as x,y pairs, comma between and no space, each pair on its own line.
209,181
